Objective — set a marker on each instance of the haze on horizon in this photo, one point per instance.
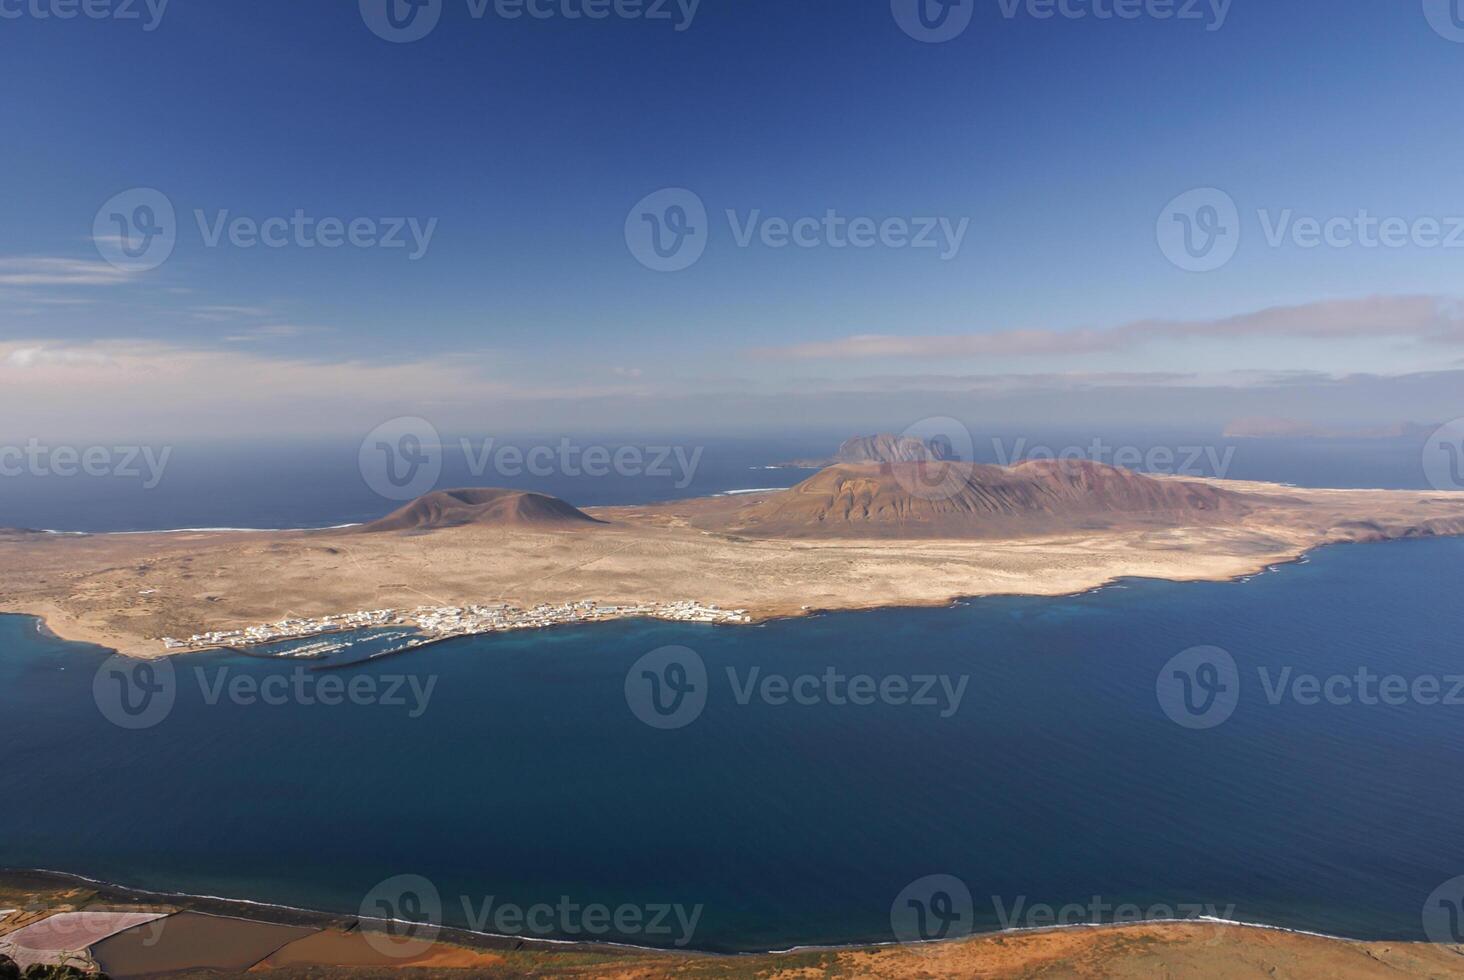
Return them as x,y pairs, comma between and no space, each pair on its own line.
458,226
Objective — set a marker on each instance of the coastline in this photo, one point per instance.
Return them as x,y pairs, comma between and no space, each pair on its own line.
79,633
76,631
277,912
333,946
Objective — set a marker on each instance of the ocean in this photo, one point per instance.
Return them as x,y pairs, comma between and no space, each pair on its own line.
1054,768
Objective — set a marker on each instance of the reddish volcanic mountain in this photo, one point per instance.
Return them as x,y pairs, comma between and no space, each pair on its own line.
956,500
489,507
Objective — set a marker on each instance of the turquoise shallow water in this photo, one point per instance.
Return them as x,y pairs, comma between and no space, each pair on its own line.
1060,777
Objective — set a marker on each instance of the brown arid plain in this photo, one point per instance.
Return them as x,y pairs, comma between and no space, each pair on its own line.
209,938
853,536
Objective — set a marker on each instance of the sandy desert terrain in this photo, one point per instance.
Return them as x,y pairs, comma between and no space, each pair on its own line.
749,552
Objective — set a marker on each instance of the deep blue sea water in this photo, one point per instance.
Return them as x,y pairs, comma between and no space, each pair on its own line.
1060,778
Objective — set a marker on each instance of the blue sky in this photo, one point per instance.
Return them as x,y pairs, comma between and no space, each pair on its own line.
1057,142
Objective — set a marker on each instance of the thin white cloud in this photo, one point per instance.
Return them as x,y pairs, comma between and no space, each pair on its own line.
225,312
28,358
274,331
1423,319
52,271
143,387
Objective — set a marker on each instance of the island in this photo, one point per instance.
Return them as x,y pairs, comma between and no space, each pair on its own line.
1263,427
891,531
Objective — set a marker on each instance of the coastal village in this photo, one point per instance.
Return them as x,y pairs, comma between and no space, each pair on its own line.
436,623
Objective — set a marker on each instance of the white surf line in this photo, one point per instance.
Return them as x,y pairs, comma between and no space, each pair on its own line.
1056,927
1060,927
733,493
203,530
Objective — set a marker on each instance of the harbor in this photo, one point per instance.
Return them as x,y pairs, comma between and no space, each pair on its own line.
425,625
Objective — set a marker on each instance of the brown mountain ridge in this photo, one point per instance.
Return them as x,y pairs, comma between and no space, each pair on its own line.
483,507
961,500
